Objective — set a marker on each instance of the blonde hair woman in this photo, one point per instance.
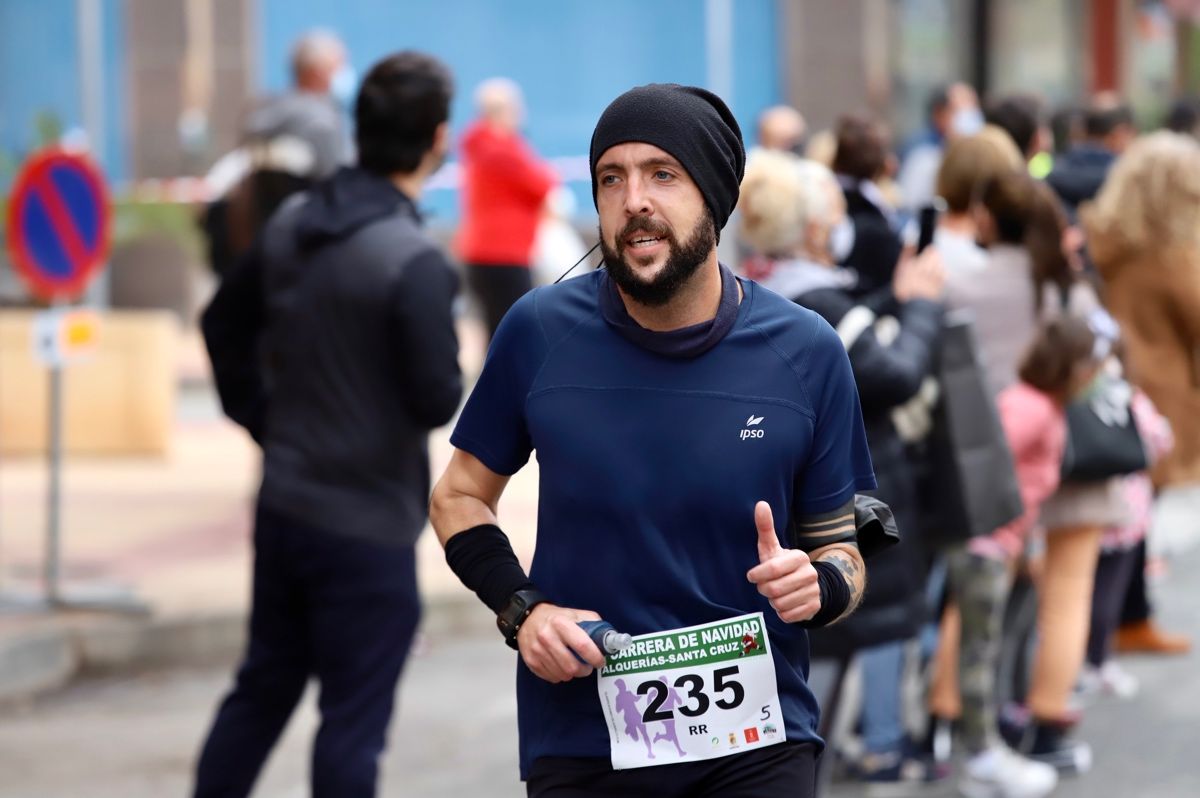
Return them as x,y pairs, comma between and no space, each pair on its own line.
1144,237
785,202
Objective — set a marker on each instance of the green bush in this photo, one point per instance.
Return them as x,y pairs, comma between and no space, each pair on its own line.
133,220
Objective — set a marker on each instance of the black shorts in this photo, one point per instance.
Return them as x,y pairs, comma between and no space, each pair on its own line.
787,769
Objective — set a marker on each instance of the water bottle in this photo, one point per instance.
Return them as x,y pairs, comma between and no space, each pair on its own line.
606,638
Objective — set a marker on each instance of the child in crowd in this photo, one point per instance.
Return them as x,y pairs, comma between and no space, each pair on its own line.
1060,362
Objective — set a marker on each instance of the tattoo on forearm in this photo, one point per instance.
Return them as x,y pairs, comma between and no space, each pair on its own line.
854,575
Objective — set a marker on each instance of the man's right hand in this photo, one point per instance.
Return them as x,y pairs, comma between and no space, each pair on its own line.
548,637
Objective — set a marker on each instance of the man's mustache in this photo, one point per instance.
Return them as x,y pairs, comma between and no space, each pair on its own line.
649,227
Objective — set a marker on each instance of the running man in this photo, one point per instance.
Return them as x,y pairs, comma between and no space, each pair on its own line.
713,481
635,727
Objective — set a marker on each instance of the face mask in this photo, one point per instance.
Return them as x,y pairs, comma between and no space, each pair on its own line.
344,85
841,240
967,122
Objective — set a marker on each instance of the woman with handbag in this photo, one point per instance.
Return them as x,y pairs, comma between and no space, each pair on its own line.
1027,275
1103,445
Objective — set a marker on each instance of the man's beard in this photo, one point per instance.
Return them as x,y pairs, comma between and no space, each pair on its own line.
683,260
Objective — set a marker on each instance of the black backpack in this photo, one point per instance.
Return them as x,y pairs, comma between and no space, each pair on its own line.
231,222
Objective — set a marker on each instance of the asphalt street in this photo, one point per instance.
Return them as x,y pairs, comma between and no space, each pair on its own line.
455,734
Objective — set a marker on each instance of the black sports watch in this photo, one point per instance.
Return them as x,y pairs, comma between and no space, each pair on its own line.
513,615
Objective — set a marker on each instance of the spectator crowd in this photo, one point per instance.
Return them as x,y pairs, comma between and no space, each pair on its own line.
1068,244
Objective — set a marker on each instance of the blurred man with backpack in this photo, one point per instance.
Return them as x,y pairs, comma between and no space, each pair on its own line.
333,343
288,142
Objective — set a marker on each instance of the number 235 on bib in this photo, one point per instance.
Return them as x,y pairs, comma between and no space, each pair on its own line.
684,695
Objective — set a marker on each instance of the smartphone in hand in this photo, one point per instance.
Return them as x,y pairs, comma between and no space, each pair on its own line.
927,220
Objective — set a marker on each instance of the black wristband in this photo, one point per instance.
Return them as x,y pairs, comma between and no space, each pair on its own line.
835,595
482,558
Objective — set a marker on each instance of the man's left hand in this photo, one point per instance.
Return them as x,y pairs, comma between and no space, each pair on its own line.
785,576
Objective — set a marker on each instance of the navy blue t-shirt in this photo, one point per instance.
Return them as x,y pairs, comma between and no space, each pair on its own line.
647,482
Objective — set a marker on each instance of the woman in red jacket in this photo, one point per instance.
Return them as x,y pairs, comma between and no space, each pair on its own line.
504,190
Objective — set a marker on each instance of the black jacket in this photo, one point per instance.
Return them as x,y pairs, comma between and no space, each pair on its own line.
333,344
877,245
1078,175
893,607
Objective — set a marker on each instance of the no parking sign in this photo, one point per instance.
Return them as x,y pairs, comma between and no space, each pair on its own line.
59,224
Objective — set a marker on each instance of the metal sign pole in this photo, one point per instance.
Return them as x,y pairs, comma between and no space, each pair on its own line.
59,335
53,584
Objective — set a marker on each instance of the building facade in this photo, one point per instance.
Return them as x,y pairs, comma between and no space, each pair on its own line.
157,87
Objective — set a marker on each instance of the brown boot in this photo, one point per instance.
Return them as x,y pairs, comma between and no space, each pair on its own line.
1143,637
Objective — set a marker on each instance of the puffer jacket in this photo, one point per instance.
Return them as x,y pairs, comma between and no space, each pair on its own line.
890,369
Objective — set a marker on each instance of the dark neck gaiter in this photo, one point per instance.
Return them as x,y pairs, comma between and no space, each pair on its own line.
684,342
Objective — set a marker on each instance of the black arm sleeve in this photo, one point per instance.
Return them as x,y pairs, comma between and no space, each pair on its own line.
483,560
232,324
426,339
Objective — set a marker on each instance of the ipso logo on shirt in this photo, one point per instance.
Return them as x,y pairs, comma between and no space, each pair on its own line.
753,421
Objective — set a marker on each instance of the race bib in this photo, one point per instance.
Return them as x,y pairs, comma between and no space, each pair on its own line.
688,694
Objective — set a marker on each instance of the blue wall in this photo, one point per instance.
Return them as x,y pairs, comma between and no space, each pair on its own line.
571,58
40,73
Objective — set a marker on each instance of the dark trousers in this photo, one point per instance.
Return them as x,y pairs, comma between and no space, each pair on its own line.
1137,601
787,769
1114,576
497,288
827,680
326,605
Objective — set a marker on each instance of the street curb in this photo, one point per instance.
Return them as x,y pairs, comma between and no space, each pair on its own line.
34,659
108,646
49,652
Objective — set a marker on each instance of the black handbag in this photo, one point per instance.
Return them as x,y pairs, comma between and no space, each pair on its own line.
967,483
1102,437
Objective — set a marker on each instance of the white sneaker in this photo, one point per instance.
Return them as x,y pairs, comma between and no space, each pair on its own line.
1117,681
1110,679
1000,772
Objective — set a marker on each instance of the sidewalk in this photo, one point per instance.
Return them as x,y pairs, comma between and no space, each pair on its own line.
175,532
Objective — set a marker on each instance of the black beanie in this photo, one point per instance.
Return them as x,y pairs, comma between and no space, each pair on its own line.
693,125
